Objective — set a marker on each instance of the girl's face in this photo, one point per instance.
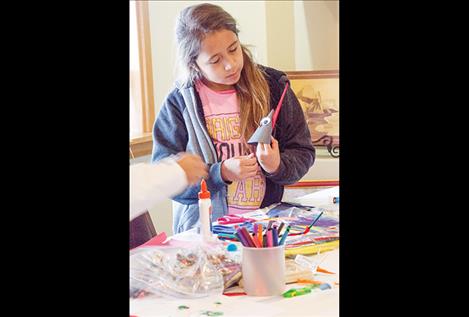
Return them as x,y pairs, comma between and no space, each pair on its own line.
220,60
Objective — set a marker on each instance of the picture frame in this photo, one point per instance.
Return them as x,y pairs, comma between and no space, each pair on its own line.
318,94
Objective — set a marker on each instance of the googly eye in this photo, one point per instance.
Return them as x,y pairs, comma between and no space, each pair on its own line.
265,121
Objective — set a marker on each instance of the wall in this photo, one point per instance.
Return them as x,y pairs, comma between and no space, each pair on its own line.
250,16
266,25
316,35
288,35
280,28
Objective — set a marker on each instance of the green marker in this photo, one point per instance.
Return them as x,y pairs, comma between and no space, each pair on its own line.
299,291
296,292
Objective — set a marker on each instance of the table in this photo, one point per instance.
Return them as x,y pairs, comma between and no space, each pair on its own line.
318,303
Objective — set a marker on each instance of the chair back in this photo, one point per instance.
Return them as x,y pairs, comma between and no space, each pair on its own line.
141,229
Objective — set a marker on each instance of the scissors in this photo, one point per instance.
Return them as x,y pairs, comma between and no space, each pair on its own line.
229,219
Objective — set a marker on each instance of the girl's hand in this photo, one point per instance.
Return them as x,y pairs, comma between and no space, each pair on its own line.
269,156
239,168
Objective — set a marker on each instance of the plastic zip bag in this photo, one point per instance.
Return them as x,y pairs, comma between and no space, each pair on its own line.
192,272
174,272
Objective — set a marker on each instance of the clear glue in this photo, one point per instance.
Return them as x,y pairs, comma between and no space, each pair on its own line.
205,212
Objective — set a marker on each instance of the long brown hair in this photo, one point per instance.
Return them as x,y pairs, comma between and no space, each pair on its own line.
192,26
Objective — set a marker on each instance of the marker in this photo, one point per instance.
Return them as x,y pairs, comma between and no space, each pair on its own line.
256,241
296,292
284,236
241,238
315,220
269,238
247,236
280,228
274,236
259,235
301,291
269,225
222,235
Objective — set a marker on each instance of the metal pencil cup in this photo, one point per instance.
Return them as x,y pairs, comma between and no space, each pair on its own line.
264,271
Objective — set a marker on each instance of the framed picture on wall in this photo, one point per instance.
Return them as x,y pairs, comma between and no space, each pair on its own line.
318,94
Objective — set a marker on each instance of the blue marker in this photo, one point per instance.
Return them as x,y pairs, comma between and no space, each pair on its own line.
274,236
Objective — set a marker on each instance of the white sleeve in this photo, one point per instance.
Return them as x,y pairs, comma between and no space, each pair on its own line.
151,183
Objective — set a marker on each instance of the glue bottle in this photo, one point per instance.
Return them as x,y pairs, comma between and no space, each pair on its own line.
205,212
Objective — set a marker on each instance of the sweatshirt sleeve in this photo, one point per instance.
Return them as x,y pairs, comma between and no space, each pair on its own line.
151,183
297,153
170,137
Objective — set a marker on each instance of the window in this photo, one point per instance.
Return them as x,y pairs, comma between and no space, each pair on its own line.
141,103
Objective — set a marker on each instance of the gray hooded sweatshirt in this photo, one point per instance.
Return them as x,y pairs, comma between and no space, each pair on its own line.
181,126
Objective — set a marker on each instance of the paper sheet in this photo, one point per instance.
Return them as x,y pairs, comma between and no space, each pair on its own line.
322,197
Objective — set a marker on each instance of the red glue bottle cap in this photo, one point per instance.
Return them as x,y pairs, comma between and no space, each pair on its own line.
204,193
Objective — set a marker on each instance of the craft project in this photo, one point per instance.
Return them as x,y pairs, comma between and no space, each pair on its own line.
264,131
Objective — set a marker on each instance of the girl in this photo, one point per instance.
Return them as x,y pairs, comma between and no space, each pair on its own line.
215,109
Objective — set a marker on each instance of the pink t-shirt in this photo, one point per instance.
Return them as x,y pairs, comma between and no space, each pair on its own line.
221,111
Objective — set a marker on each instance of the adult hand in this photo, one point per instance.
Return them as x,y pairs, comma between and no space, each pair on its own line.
193,167
239,168
269,156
